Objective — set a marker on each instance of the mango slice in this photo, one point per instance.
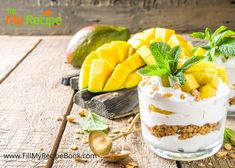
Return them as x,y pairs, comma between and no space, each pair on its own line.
205,66
202,77
158,110
221,72
111,67
120,73
99,72
207,91
200,51
177,40
109,53
146,55
132,80
96,83
164,34
112,85
190,83
133,62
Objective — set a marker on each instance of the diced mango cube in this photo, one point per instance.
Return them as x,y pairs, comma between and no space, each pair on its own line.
144,51
131,51
165,81
135,43
221,72
214,82
200,51
163,34
84,79
150,60
112,85
96,83
207,91
177,40
110,54
120,73
190,83
189,45
100,67
205,66
156,40
185,53
202,77
132,80
122,49
90,57
151,31
133,62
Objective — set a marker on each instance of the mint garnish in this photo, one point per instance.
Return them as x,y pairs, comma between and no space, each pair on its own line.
221,42
93,122
167,60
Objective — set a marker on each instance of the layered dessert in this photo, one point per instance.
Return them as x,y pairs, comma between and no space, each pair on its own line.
183,112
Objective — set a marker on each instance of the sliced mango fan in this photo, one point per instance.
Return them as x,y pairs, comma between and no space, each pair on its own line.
114,65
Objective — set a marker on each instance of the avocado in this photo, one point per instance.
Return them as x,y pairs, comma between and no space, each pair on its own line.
90,38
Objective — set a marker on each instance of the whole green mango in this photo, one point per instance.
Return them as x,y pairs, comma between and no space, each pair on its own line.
90,38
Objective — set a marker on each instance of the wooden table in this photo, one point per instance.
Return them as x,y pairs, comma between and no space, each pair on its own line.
32,98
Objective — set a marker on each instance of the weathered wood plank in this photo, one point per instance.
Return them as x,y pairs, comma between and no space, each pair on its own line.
31,99
110,105
133,143
182,15
14,50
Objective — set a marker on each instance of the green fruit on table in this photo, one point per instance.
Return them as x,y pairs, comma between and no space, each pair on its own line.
90,38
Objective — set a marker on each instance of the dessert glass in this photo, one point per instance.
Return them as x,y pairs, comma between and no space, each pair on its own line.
230,68
175,126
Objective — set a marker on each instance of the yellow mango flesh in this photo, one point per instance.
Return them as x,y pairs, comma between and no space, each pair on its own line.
144,52
84,79
99,73
156,40
207,91
135,43
165,81
133,62
205,66
140,41
110,67
163,34
221,72
177,40
214,82
120,73
85,69
203,78
96,83
122,50
190,83
200,51
110,54
132,80
112,85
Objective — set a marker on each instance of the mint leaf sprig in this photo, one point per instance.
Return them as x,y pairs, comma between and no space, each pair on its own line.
93,122
221,42
228,134
167,60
